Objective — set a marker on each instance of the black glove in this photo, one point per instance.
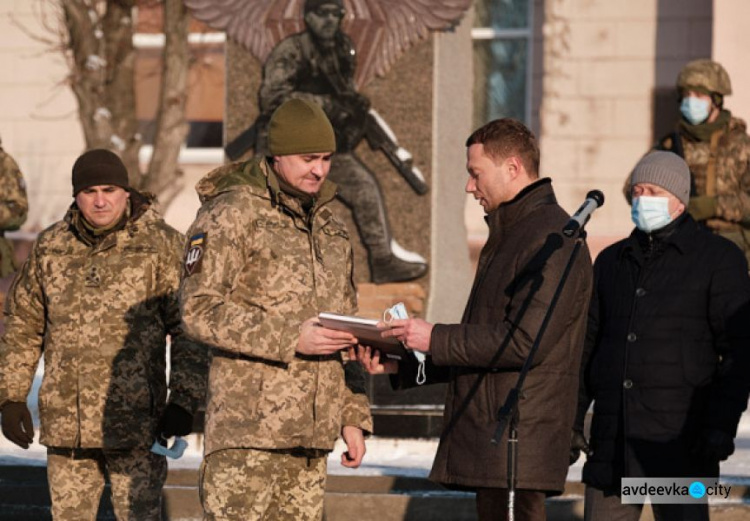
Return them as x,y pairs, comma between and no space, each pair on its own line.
175,421
714,445
17,426
578,444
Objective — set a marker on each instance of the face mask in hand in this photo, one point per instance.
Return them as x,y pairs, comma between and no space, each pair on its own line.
695,110
650,213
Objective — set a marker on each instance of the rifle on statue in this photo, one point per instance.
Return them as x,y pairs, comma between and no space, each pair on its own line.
380,136
242,143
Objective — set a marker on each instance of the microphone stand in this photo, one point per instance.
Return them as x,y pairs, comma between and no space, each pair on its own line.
508,414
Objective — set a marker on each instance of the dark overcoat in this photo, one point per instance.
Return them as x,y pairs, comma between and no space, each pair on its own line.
519,269
667,352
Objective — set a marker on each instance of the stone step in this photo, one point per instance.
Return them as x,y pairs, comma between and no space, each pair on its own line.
24,496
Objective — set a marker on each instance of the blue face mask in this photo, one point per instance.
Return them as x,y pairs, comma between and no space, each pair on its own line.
695,110
650,213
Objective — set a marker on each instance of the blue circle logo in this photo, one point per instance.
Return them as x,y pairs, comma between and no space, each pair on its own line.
697,489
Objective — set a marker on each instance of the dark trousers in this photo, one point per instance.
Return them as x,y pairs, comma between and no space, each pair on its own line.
600,505
492,505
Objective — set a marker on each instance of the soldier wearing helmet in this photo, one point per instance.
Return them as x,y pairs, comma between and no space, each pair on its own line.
716,147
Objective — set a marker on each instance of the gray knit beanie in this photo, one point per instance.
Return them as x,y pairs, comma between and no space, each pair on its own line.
665,169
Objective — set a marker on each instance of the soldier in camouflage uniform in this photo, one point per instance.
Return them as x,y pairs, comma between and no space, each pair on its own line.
13,208
716,147
319,65
98,296
265,255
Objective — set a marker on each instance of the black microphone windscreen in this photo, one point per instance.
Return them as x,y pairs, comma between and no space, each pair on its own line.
597,196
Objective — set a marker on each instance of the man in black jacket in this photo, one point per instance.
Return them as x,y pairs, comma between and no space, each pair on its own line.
666,354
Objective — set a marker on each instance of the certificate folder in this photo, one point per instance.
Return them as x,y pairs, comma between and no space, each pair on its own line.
366,330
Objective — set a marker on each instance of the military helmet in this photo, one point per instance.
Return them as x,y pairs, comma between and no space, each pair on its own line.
705,74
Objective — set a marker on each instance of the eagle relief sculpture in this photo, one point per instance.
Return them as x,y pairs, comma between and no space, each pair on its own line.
325,51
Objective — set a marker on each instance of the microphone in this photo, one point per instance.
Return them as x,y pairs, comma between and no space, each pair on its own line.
594,199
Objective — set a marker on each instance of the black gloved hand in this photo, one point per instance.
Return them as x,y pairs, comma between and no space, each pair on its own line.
17,426
714,445
578,444
175,421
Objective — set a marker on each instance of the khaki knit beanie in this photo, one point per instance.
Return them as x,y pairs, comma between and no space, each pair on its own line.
300,127
99,167
665,169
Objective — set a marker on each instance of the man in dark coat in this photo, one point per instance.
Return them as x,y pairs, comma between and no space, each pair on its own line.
480,358
666,354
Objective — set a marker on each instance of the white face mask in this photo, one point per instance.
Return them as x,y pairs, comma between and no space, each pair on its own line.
650,213
695,110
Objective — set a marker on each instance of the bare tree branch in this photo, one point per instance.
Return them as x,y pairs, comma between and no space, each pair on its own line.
84,35
96,38
119,86
171,126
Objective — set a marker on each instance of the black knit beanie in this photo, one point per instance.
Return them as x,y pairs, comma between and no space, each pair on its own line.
99,167
312,5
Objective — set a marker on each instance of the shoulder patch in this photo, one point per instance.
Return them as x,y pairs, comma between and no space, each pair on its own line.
194,254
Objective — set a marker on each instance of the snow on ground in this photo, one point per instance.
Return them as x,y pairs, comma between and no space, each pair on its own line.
384,457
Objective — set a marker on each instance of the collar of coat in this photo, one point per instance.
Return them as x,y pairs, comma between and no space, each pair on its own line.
258,176
703,131
140,204
681,238
539,193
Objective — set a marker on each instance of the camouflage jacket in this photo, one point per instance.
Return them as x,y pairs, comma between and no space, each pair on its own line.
731,186
13,207
100,313
256,268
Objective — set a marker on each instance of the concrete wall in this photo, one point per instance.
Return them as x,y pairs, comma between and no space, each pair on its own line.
450,282
731,40
610,69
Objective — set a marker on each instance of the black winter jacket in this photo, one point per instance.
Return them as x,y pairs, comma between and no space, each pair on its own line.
667,346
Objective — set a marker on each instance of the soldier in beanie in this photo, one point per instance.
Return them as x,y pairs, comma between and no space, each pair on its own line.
97,298
265,255
666,355
716,147
319,65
